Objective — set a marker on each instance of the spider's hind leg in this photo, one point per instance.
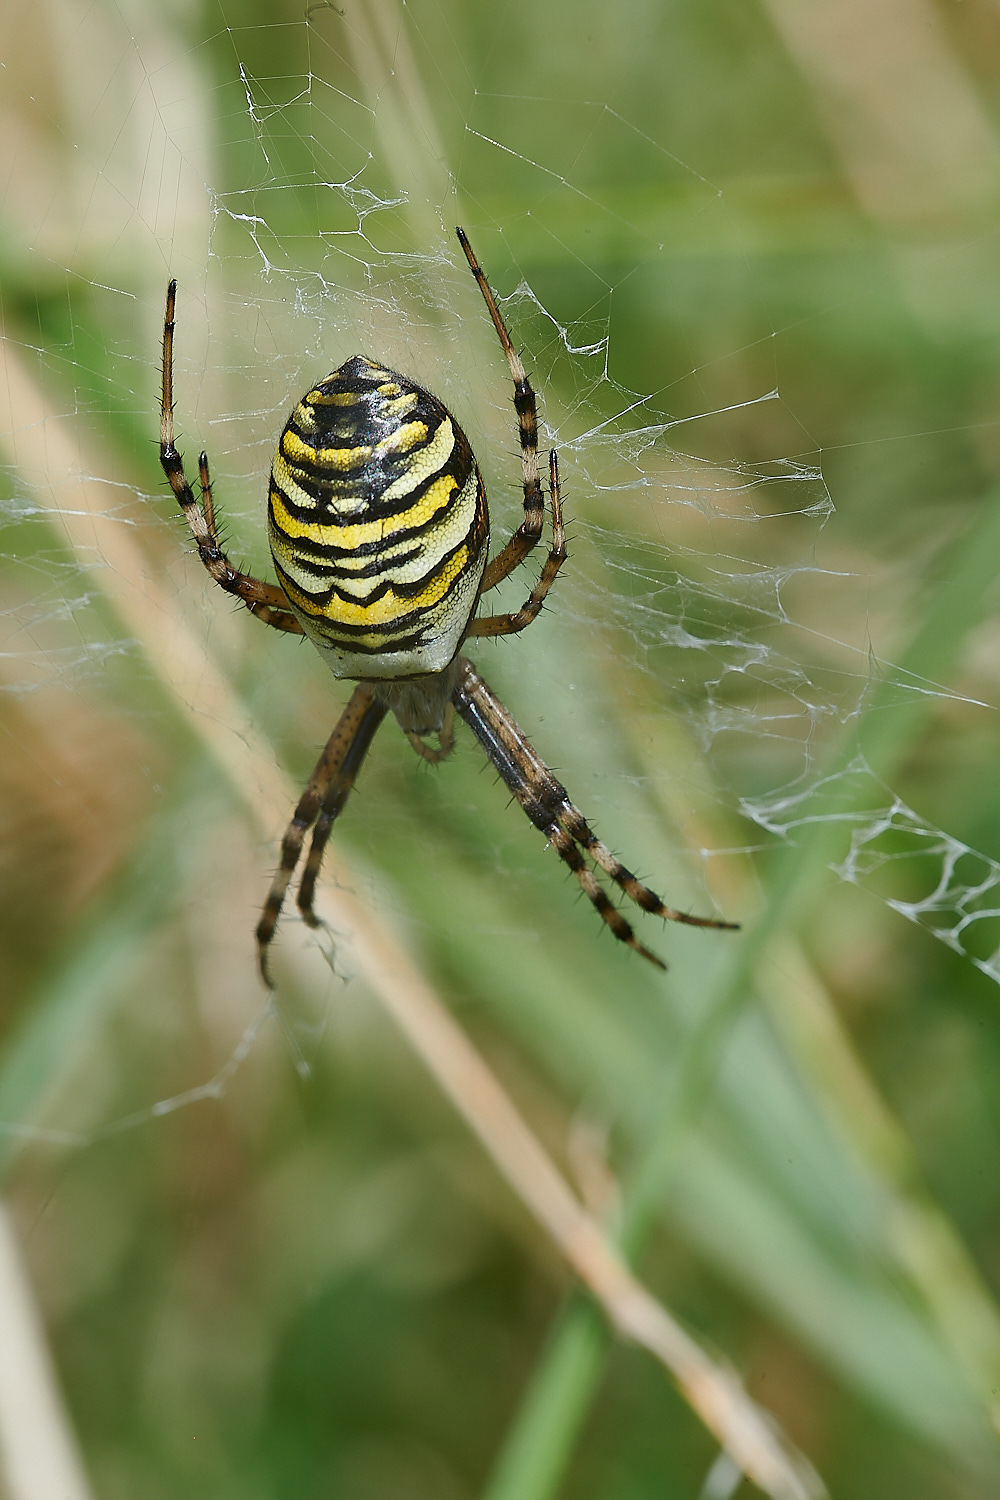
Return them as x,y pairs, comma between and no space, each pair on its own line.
527,534
265,600
510,624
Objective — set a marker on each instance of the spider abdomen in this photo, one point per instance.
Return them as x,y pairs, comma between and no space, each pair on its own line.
378,523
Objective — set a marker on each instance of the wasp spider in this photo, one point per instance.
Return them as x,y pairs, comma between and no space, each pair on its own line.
379,531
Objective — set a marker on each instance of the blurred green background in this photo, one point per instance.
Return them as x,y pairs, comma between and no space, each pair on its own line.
751,254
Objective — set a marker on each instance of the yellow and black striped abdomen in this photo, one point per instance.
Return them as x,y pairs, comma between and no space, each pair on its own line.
378,523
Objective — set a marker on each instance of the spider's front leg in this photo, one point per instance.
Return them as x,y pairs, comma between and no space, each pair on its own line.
327,790
547,804
264,600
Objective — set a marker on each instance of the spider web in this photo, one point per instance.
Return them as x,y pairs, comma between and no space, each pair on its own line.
707,574
716,589
719,636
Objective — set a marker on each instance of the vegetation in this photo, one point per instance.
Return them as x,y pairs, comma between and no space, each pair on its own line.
752,262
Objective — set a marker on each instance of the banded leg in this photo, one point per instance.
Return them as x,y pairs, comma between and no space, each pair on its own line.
510,624
571,818
546,803
530,529
333,805
358,722
595,892
265,600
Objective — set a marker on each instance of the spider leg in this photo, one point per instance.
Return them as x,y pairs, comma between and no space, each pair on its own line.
334,773
570,854
573,821
510,624
446,739
333,805
546,803
265,600
530,529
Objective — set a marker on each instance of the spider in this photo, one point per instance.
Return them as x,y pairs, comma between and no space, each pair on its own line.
379,532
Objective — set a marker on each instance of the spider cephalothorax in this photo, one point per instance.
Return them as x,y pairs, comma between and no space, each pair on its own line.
379,530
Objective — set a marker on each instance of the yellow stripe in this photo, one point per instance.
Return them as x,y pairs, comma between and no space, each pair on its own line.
341,505
331,398
390,607
401,405
401,441
436,498
407,436
422,465
398,405
396,562
294,448
401,560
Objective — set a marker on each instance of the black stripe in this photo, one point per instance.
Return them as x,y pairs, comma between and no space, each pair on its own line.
364,425
313,555
323,597
389,646
364,518
371,494
329,474
314,552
